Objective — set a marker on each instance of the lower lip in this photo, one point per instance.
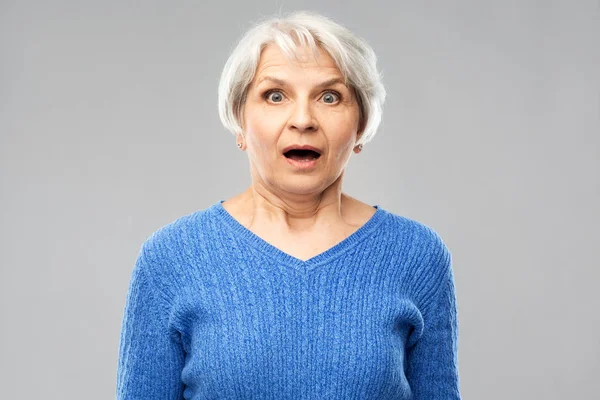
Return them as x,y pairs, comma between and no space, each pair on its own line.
308,164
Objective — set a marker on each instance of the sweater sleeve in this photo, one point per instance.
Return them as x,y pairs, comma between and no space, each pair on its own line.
433,360
150,359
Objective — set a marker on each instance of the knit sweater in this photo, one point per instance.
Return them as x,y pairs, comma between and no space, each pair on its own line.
213,311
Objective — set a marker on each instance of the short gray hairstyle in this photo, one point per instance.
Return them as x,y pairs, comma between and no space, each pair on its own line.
355,59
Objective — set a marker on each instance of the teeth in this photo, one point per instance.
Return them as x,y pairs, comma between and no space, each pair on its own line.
303,159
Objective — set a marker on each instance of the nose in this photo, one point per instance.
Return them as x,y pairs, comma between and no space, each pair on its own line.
302,117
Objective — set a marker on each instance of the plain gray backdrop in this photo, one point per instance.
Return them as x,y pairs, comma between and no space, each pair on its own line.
490,135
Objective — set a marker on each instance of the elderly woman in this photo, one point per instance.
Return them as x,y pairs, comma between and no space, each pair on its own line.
293,289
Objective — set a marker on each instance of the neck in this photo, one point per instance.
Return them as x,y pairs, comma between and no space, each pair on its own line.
295,211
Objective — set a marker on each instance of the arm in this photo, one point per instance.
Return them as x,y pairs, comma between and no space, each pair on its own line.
150,359
433,360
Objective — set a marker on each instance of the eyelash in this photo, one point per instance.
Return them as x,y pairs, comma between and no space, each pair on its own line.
268,93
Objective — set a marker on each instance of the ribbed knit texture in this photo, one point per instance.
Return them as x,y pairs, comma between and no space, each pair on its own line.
213,311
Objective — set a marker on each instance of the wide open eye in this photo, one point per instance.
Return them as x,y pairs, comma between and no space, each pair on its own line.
330,97
275,96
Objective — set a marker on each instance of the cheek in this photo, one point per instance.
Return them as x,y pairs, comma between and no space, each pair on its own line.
262,134
259,122
344,119
341,128
341,131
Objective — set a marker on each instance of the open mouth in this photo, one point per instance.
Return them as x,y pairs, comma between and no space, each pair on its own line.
302,155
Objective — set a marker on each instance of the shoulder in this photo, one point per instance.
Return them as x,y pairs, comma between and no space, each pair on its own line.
178,238
418,234
424,253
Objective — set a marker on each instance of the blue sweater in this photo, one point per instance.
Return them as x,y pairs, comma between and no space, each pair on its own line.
213,311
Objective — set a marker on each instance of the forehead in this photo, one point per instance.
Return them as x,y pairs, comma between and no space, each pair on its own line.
272,57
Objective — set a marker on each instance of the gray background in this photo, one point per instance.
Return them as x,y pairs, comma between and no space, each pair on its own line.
490,135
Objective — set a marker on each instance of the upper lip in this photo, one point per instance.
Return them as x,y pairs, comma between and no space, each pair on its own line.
301,147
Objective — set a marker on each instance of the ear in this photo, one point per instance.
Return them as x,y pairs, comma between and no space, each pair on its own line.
362,124
361,129
360,132
242,117
358,148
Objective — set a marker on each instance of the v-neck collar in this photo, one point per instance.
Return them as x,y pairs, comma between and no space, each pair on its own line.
302,265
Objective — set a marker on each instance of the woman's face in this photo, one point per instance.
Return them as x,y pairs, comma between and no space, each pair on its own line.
298,103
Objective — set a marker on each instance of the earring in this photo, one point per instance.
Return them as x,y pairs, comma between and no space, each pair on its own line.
360,146
239,145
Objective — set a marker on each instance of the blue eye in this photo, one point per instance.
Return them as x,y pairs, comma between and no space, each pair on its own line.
330,97
278,97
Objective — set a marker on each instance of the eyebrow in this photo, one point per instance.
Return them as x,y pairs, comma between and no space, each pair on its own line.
281,82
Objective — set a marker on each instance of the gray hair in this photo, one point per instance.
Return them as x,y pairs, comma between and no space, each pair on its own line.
355,59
